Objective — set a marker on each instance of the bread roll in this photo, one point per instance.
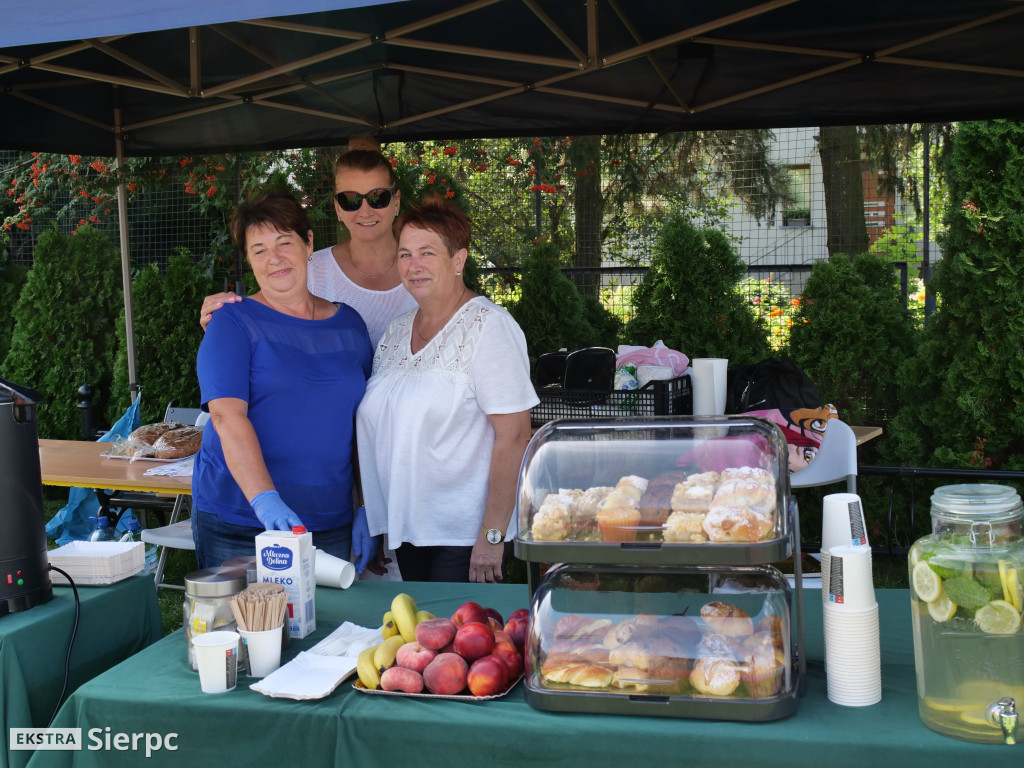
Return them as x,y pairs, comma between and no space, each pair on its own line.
685,527
581,674
745,493
727,619
715,676
141,441
753,474
584,513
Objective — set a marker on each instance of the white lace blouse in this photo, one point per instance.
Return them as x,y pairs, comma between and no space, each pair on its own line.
422,428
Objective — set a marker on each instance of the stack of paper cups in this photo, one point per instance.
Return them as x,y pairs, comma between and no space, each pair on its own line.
709,382
842,524
852,650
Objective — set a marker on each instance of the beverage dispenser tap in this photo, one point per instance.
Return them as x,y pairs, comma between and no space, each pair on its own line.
1003,715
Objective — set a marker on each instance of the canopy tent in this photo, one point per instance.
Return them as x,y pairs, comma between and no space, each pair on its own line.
168,76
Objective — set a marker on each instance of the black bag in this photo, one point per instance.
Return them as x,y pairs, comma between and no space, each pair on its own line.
769,384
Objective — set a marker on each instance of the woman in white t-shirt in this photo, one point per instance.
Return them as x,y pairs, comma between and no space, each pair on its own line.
445,419
363,270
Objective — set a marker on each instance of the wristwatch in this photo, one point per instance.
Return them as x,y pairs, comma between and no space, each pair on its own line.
494,536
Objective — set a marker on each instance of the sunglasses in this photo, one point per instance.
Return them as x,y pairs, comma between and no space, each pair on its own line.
376,198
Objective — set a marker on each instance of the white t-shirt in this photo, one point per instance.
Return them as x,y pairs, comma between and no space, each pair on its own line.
377,308
424,438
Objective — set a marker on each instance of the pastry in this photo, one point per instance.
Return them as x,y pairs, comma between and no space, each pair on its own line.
691,498
178,443
715,676
763,671
626,629
579,673
724,524
631,654
685,526
584,513
727,619
717,644
710,479
631,677
775,627
753,474
573,625
745,493
618,516
552,521
632,485
655,505
670,663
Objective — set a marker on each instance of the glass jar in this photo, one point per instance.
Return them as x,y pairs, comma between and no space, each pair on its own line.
207,607
966,594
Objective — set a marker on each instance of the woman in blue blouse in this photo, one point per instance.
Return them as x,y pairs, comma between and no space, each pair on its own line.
281,374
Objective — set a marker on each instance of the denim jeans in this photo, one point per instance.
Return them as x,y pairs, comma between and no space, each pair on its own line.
217,541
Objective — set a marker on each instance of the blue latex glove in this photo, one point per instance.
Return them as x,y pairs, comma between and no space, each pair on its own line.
364,546
273,512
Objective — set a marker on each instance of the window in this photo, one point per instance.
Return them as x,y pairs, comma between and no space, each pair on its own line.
798,211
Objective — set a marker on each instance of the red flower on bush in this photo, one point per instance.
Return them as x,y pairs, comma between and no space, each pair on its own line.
513,161
211,192
99,166
74,158
451,150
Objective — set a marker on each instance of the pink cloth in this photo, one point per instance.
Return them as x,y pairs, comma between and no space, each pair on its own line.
659,354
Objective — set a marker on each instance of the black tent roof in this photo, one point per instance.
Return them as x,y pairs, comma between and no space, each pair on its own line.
452,69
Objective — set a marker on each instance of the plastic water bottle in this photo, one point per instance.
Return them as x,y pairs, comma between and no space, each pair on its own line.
134,533
102,530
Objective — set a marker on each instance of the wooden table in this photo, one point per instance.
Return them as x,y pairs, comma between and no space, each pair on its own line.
863,434
78,464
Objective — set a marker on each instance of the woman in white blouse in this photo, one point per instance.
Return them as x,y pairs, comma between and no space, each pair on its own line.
446,417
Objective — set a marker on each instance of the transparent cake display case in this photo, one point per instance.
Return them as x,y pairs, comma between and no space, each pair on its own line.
664,530
670,641
662,490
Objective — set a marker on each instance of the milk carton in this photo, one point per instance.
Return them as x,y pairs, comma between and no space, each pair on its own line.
287,558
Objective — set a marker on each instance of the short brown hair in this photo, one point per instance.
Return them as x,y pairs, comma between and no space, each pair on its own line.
444,219
366,160
275,207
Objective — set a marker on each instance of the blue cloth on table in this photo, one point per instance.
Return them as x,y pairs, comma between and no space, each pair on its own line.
74,522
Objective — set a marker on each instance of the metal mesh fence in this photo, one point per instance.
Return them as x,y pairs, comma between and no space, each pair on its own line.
603,220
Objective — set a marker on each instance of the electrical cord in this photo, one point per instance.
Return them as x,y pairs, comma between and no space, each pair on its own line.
71,644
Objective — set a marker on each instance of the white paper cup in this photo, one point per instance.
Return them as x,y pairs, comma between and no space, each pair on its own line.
709,380
264,650
217,657
334,572
850,585
842,521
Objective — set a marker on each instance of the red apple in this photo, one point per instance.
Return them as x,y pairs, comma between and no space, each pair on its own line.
508,653
435,633
468,612
487,676
473,640
517,630
414,656
446,674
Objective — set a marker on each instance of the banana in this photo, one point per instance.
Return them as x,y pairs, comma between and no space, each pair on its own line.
424,616
389,628
384,656
403,608
367,672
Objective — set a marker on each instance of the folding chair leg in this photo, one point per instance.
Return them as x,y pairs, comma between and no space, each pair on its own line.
158,575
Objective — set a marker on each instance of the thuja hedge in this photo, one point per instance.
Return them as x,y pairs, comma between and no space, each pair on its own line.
167,337
689,298
963,392
63,333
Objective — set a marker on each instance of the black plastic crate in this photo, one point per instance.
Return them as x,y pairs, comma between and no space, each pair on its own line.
657,398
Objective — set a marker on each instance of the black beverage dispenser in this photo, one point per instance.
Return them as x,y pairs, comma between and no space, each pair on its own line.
24,573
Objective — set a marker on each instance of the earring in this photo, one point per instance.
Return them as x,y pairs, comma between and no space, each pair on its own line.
310,257
459,273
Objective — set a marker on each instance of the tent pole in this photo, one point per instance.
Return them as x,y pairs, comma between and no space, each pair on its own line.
126,271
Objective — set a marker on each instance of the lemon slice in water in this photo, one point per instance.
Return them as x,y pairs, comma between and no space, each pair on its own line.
997,618
927,583
942,608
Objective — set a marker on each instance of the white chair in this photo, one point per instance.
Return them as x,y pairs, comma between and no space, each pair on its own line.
835,461
177,534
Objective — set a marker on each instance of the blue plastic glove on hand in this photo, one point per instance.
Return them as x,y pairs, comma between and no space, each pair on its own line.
273,512
364,546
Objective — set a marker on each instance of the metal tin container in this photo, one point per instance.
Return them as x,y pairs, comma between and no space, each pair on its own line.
207,606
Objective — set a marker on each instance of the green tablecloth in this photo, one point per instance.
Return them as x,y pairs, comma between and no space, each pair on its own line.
156,692
116,621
